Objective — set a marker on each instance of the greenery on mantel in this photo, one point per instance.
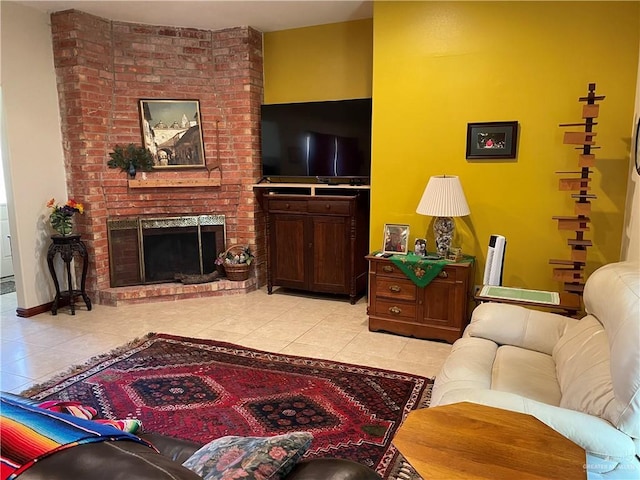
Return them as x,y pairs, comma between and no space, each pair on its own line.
131,159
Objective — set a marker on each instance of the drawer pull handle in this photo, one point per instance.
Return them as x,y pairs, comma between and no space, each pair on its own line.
327,206
394,288
395,310
287,206
387,268
443,274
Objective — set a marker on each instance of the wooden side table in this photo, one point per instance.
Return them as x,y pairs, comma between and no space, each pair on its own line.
569,303
472,441
68,246
438,311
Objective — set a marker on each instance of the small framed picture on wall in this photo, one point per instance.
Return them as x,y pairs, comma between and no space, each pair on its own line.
489,140
396,238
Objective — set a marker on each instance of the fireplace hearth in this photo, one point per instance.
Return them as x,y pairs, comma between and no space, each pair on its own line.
145,250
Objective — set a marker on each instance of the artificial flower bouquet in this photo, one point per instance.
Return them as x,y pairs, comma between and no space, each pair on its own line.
61,216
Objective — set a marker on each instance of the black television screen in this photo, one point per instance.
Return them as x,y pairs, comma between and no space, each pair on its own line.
322,141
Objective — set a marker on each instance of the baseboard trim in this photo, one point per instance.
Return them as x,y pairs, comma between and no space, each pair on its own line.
30,312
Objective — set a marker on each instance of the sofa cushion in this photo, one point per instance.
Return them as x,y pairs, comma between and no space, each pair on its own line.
468,366
527,373
582,363
518,326
249,457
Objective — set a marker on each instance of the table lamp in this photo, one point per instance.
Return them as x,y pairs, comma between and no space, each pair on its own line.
443,198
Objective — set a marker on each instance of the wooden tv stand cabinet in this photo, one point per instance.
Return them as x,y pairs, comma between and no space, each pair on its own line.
438,311
317,241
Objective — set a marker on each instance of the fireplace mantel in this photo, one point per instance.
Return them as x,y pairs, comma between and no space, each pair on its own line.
175,182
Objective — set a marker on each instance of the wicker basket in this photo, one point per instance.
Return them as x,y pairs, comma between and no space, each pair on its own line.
237,272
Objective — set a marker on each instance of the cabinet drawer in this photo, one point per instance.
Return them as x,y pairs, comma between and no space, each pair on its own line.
333,207
450,274
389,287
388,269
283,205
391,309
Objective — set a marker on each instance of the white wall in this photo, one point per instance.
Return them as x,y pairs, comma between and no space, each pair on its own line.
631,234
32,153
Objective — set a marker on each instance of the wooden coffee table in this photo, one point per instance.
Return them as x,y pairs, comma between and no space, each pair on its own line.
471,441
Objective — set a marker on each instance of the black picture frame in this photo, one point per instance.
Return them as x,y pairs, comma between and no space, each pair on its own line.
487,140
172,132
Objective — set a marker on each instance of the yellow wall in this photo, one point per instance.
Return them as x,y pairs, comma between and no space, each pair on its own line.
327,62
438,66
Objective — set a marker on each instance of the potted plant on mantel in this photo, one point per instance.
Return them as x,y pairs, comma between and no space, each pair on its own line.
131,159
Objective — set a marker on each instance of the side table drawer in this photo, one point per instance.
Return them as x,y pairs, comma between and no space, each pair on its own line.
450,274
395,288
388,269
391,309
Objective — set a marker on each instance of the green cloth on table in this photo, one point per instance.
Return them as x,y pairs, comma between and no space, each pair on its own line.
421,270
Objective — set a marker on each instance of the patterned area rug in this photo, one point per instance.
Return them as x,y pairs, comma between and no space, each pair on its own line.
202,389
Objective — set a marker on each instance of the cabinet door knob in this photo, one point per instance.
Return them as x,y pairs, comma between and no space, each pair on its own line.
443,274
328,206
394,288
395,310
387,268
287,206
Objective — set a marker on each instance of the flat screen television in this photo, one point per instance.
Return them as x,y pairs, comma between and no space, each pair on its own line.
317,142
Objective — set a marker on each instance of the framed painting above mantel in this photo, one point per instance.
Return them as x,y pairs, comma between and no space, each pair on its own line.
172,132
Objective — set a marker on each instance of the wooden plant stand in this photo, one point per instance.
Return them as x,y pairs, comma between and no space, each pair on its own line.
571,271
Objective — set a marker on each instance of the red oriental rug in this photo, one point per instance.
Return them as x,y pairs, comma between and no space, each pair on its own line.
202,389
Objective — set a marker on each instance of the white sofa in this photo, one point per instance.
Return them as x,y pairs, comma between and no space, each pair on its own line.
580,377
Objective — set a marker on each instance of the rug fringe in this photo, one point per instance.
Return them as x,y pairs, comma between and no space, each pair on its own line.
75,369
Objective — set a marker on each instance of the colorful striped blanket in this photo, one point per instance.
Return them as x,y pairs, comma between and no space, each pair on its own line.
29,433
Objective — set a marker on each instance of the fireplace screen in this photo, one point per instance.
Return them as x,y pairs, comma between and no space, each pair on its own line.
154,250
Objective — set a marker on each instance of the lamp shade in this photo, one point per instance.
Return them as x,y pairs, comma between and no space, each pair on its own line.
443,197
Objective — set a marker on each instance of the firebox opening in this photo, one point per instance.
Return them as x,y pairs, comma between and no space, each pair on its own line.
154,250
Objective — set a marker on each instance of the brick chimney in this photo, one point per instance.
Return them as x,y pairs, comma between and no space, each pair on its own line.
103,69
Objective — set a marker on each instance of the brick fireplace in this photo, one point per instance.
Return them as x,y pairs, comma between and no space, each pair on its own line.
103,68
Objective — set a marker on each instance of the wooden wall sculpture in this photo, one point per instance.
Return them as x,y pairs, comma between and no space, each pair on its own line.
571,271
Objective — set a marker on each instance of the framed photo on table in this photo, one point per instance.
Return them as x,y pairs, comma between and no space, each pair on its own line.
396,238
172,132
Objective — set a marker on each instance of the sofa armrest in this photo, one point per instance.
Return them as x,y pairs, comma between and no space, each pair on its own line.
119,460
522,327
595,435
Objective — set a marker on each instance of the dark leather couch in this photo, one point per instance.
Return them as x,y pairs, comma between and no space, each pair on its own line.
127,460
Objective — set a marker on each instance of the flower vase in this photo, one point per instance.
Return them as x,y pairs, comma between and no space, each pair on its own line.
62,224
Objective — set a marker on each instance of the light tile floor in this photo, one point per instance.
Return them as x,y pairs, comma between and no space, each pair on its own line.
37,348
